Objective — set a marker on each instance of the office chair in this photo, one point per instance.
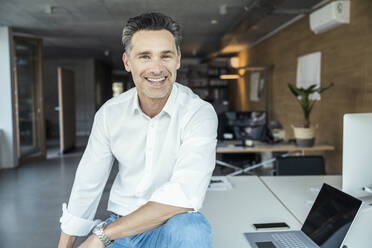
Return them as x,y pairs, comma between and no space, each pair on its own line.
299,165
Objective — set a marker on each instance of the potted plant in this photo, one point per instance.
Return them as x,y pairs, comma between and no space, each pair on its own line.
305,135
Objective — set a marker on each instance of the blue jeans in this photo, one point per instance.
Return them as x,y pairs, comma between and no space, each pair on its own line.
187,230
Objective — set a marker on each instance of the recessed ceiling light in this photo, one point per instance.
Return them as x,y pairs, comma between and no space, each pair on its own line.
214,21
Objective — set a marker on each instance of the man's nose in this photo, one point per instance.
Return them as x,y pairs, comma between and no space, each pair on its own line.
157,66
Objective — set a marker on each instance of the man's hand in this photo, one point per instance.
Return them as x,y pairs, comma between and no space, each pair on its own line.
92,242
66,241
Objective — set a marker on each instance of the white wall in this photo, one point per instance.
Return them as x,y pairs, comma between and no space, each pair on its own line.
8,157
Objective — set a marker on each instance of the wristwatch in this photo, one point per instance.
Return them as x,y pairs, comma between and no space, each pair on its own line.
98,230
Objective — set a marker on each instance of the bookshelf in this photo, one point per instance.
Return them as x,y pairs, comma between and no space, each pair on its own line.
203,79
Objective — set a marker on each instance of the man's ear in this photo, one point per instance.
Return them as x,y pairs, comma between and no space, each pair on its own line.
179,60
125,59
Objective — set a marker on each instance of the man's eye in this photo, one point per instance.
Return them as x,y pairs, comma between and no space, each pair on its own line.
144,57
166,56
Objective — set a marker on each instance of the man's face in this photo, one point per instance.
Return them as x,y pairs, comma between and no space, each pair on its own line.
153,62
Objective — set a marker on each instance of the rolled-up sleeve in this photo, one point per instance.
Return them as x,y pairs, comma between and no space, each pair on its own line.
195,162
90,179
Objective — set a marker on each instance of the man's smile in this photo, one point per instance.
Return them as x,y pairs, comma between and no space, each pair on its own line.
156,81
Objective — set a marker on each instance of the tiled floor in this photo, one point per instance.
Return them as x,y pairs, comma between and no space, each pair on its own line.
31,198
31,201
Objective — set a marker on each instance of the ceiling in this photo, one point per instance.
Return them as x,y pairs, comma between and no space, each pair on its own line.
88,28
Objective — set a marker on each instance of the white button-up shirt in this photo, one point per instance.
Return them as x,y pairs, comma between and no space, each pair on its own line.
167,159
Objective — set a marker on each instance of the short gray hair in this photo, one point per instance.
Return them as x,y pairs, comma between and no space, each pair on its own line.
150,21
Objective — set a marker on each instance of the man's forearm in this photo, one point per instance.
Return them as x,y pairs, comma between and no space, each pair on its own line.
147,217
66,241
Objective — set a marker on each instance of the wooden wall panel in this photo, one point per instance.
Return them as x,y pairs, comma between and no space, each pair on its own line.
346,61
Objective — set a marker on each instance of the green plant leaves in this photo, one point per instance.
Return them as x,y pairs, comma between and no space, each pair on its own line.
303,97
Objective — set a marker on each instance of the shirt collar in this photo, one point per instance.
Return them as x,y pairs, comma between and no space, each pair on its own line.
169,107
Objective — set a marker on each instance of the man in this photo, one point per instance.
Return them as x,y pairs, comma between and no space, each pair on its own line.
163,137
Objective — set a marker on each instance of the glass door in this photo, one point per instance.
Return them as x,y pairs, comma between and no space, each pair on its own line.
29,98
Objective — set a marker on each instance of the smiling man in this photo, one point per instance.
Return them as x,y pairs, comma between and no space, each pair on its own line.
163,137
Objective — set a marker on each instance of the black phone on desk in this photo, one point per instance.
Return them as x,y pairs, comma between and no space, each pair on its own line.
270,225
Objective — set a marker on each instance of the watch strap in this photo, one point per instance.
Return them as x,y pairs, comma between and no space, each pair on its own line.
98,231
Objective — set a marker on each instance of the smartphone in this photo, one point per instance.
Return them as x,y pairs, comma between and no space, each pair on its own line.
270,225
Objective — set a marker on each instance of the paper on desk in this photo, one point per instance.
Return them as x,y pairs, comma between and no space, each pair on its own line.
219,183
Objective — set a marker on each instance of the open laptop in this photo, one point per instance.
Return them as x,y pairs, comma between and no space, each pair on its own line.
326,225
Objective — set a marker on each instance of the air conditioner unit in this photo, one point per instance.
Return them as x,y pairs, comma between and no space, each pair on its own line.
330,16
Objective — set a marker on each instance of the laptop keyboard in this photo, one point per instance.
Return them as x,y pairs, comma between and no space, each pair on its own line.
288,240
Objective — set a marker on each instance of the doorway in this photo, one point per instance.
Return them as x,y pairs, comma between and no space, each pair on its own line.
29,109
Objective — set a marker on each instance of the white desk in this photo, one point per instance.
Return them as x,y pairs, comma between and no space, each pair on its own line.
297,194
264,147
281,147
232,213
272,199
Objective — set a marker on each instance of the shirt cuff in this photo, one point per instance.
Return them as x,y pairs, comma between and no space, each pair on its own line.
172,194
75,226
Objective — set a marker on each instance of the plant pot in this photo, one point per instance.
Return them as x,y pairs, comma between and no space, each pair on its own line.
305,137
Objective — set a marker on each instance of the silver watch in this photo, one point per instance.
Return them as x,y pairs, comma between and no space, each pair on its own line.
98,230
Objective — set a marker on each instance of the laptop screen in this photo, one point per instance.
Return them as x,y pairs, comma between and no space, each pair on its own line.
330,217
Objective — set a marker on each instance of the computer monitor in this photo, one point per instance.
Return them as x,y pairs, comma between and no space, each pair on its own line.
242,125
357,155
